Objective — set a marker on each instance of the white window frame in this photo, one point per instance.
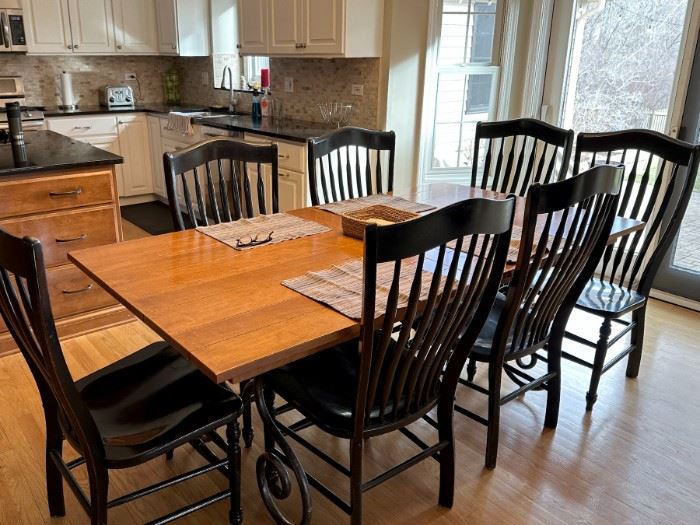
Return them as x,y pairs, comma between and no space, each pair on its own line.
503,53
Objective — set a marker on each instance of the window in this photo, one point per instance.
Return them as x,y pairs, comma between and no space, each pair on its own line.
461,85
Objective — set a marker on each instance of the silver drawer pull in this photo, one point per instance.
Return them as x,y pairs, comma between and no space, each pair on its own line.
76,192
81,237
284,156
79,290
82,127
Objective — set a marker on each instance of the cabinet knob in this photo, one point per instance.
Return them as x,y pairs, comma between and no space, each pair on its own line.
238,46
119,47
174,46
69,46
76,46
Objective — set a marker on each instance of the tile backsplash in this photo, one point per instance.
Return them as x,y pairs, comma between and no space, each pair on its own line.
315,81
41,76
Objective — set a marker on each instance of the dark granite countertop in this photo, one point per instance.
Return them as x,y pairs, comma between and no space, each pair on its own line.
283,128
48,151
142,108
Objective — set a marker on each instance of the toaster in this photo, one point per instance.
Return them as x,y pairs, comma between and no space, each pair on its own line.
117,97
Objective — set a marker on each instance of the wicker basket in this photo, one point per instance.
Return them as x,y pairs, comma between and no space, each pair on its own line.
354,222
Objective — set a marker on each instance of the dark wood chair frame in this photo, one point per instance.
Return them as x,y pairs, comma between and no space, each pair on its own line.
238,155
26,310
212,205
543,290
339,186
632,263
404,386
515,170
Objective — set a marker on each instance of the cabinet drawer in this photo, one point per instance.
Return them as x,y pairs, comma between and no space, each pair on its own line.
292,157
73,292
84,126
44,194
63,232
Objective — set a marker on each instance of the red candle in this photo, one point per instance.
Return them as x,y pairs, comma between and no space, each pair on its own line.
265,77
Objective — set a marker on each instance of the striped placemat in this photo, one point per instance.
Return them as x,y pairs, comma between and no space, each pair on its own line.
514,248
340,286
350,205
278,227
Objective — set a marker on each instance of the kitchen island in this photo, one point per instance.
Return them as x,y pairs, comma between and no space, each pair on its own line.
63,192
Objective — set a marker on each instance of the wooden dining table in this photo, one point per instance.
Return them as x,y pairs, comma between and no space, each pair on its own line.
227,311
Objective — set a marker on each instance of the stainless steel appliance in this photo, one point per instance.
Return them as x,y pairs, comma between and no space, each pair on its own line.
12,36
12,90
117,97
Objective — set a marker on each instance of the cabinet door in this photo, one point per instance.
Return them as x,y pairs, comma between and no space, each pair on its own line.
135,26
286,27
92,26
133,142
291,190
324,26
166,16
252,27
109,143
48,26
157,157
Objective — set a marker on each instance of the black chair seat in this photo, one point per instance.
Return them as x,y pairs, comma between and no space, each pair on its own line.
151,401
323,388
481,350
609,300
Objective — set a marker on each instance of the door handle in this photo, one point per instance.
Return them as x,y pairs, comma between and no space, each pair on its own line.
80,237
76,192
5,29
79,290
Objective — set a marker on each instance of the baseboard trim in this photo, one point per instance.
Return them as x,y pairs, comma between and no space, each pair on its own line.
675,299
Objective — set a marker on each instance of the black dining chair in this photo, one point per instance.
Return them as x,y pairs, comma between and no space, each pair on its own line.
519,153
132,411
347,163
412,346
202,175
206,172
565,228
660,173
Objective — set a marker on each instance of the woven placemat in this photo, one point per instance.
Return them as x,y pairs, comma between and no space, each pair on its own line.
350,205
340,286
514,248
284,227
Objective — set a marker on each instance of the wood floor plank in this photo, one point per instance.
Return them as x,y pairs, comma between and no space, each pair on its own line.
634,460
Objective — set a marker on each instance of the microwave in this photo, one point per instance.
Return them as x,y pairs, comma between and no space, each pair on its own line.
12,36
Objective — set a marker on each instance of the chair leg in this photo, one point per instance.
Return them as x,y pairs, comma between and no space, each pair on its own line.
233,435
247,416
447,454
598,363
54,480
99,490
635,357
269,400
471,370
356,454
551,417
495,373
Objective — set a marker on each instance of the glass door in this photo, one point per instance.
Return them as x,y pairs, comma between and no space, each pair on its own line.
680,271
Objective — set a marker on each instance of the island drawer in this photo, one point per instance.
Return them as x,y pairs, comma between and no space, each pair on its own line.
43,194
77,127
63,232
73,292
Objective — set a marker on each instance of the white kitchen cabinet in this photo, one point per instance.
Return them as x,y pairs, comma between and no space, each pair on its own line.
291,190
183,27
135,27
134,145
111,144
156,144
324,28
253,27
69,26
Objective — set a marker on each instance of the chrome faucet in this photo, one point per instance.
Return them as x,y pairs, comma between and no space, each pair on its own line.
232,98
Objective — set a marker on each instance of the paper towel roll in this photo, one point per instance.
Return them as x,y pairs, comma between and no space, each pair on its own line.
67,95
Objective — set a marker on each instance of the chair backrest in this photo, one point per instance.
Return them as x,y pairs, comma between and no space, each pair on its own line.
208,170
660,172
442,271
347,163
565,229
26,311
519,153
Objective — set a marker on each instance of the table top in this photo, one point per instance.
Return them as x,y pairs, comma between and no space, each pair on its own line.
226,310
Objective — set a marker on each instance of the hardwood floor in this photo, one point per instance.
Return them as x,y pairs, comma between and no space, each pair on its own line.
635,459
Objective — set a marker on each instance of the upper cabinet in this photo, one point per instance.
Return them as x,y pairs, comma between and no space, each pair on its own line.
183,27
324,28
135,28
69,26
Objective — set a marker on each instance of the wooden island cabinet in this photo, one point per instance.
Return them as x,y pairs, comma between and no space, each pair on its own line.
64,193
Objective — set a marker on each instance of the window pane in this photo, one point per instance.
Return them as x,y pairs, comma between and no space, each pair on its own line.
467,31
